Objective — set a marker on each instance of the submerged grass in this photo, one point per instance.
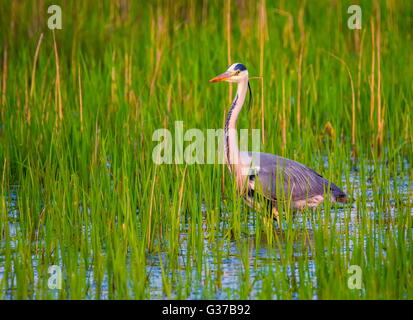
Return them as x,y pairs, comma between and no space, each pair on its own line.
79,188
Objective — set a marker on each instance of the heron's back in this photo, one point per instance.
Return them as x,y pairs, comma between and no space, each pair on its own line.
300,183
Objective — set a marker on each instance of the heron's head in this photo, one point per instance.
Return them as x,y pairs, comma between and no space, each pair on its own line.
236,72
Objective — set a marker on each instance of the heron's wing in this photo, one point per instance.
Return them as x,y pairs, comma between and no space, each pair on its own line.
298,181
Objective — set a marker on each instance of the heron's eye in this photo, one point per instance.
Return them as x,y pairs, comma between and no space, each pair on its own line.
237,72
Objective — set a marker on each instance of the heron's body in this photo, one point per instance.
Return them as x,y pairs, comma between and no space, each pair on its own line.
268,174
301,185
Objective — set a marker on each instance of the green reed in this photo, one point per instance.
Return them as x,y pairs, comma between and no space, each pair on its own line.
79,188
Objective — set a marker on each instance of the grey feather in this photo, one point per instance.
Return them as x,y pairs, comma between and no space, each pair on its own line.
299,182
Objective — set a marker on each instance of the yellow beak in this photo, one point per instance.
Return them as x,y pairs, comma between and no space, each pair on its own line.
222,77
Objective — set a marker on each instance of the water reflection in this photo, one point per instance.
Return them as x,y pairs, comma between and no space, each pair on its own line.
232,267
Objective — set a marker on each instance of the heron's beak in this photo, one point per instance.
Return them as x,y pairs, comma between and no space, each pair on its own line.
222,77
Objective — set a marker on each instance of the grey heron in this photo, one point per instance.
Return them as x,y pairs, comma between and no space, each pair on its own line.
300,185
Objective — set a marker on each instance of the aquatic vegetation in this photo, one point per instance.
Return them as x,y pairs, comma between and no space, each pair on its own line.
79,188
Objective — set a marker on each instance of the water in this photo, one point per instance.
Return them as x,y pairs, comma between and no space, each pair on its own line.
223,276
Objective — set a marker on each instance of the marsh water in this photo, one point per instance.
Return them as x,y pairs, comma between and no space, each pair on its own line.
227,270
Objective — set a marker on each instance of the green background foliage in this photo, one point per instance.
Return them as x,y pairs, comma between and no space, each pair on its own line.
79,188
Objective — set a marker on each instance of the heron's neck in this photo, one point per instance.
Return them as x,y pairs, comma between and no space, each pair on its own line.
231,138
